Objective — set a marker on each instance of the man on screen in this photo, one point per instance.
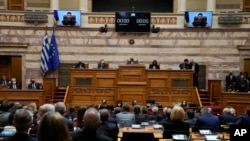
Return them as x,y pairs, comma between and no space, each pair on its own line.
69,20
200,21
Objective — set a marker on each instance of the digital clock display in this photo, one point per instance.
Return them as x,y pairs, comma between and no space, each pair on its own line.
132,21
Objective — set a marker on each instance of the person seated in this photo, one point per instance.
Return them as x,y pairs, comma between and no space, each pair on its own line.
119,103
131,61
207,121
176,124
80,64
154,65
33,85
4,81
102,64
69,20
185,65
14,85
227,117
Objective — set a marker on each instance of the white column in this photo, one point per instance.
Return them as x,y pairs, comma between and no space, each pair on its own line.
83,5
181,7
211,5
54,5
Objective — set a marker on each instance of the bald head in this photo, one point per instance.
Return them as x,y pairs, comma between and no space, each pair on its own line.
91,119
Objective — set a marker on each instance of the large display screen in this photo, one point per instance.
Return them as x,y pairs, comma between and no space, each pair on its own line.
132,21
198,19
67,18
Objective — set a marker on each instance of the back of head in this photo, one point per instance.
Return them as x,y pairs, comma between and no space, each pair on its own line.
226,110
205,111
60,107
91,119
137,109
53,128
23,120
104,113
126,108
46,108
177,113
190,113
155,109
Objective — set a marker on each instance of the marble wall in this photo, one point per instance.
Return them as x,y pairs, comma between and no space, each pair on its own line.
216,49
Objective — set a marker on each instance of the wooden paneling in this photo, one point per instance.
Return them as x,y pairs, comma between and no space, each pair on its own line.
16,68
23,96
246,5
129,83
214,90
49,87
15,4
239,101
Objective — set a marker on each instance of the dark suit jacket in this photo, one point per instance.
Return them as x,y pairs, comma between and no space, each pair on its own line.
20,137
208,122
196,67
132,62
227,118
109,129
184,66
102,66
18,86
154,66
243,120
89,135
30,86
4,82
175,127
80,65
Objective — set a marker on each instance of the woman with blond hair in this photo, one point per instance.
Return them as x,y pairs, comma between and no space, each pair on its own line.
53,128
176,124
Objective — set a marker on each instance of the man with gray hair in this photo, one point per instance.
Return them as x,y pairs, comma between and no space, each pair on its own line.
60,107
207,121
91,122
23,120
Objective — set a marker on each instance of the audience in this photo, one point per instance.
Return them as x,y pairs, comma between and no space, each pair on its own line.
4,114
71,114
78,121
22,121
166,114
91,123
107,128
139,118
155,115
53,128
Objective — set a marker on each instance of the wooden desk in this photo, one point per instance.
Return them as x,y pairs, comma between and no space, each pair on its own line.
22,96
147,129
237,100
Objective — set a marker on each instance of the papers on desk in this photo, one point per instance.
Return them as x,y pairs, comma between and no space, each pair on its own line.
144,123
157,126
136,126
205,132
212,138
179,137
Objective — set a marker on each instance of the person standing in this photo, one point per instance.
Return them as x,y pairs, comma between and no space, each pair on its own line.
195,67
185,65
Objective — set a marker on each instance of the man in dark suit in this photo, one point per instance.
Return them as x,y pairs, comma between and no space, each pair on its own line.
14,85
102,64
107,128
241,82
245,119
195,67
227,117
91,123
185,65
22,121
207,121
230,82
131,61
33,84
200,21
4,81
80,64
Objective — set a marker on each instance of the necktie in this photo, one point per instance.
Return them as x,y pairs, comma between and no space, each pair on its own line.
14,86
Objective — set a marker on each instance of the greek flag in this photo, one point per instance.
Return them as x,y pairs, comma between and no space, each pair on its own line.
45,61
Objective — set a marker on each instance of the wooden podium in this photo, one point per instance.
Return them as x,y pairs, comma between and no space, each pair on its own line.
132,83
